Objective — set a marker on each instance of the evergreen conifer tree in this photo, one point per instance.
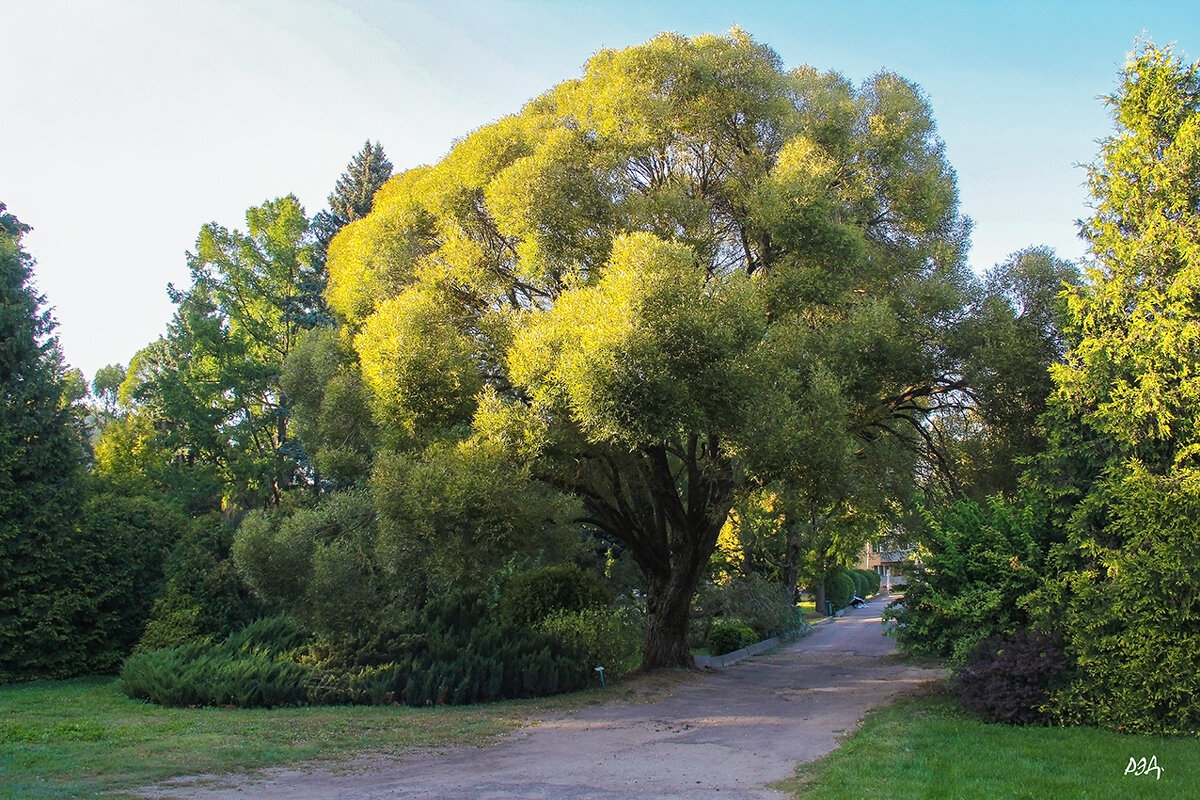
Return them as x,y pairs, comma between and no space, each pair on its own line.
355,189
40,612
1122,466
351,199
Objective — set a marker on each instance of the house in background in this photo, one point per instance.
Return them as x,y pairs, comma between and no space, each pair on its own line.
888,557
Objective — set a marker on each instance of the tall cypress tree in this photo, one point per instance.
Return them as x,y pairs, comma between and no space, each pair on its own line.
39,479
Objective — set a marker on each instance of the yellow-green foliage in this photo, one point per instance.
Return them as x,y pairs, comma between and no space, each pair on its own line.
1125,427
416,362
617,219
650,350
683,272
371,258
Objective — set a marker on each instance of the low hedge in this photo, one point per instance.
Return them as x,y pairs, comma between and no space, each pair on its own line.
460,653
201,675
870,582
727,635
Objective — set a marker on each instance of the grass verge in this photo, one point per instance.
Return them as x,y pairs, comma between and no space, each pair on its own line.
84,738
926,748
808,609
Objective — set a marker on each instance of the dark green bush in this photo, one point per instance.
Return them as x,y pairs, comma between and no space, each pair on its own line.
1124,595
356,685
494,662
977,562
122,545
205,597
458,612
1008,678
316,564
457,652
861,584
199,675
85,617
727,635
460,653
839,589
530,597
269,635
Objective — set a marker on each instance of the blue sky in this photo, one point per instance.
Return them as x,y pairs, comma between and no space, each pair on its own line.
130,123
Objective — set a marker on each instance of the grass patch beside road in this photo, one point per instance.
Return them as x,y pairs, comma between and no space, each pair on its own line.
84,738
808,609
925,748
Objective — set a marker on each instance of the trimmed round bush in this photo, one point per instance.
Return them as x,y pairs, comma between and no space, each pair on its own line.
727,635
861,584
839,589
870,582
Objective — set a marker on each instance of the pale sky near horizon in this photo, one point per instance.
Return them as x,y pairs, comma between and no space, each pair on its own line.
128,124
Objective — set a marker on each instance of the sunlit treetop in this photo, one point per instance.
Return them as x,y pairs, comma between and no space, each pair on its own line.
833,192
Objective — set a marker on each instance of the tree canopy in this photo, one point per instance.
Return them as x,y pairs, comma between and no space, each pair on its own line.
212,385
683,274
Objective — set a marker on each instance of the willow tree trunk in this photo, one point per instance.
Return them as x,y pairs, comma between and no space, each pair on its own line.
670,587
668,618
667,507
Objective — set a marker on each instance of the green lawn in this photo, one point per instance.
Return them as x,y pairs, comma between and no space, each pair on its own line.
84,738
926,749
809,609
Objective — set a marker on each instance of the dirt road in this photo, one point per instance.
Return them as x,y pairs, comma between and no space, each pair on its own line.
725,734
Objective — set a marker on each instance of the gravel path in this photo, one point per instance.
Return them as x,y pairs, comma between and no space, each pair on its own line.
730,731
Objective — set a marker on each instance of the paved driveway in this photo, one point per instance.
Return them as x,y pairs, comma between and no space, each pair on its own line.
726,734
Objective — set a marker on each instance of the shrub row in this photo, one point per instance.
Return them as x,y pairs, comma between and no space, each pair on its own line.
843,585
494,663
866,582
462,651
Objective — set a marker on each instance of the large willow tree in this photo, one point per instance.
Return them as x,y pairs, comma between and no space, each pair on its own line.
687,272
